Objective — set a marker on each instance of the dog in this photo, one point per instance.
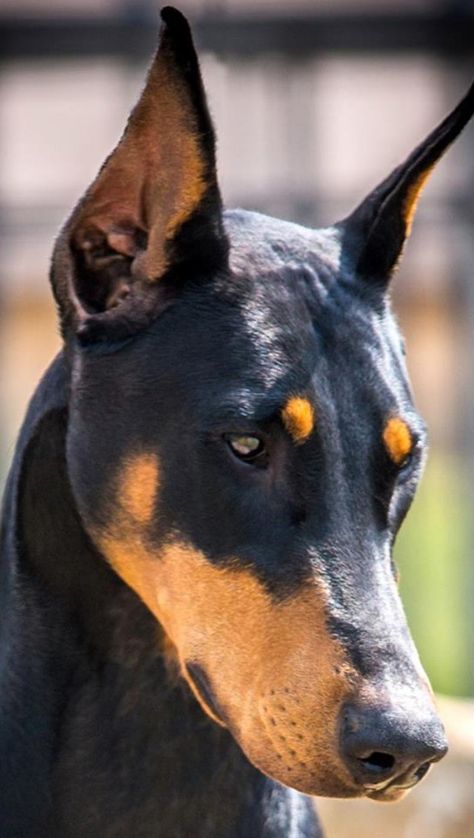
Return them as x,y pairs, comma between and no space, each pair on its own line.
200,623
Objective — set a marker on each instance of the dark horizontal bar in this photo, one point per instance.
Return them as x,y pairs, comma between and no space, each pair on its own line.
448,32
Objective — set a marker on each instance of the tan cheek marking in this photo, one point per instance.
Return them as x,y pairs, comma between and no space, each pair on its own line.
225,620
298,418
207,611
278,675
397,439
171,658
130,559
412,197
138,487
261,656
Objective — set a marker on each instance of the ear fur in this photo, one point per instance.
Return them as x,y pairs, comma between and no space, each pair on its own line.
154,207
378,228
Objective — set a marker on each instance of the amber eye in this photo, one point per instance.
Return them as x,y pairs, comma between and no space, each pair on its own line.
248,448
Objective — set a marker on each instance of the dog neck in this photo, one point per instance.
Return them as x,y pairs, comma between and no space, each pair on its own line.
104,737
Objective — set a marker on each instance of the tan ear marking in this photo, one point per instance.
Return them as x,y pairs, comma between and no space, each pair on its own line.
138,487
298,418
397,439
411,201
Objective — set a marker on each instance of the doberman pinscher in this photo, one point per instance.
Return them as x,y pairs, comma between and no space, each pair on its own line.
200,622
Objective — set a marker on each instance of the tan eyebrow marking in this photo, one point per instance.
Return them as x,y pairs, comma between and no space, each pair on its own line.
139,486
298,418
397,439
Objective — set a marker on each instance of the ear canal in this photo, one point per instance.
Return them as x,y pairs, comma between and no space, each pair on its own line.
154,206
376,231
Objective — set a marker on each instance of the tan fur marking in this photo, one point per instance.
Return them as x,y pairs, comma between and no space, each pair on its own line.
412,197
138,487
170,656
298,418
278,675
397,439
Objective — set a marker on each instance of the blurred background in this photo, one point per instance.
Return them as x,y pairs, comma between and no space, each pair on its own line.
314,102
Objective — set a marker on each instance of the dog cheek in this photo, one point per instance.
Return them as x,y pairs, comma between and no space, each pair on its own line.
276,676
125,518
267,669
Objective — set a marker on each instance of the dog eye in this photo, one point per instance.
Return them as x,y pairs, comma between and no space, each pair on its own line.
405,464
410,461
248,448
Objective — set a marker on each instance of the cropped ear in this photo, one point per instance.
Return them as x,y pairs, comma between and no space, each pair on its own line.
154,212
376,231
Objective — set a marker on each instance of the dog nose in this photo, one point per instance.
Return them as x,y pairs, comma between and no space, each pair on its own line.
381,747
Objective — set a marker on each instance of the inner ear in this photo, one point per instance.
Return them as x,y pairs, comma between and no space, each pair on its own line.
107,265
153,215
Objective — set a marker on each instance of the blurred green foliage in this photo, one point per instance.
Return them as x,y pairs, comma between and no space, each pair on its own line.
437,575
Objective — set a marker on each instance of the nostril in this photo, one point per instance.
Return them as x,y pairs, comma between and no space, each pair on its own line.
377,762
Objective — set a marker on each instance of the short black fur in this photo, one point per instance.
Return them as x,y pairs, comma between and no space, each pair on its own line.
99,732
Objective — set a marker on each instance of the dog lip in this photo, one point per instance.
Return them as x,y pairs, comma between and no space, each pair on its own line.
406,780
381,791
377,786
201,682
388,793
389,787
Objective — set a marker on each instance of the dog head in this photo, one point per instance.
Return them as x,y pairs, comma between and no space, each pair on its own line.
242,442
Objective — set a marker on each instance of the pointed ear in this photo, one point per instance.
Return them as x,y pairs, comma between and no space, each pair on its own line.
377,229
154,211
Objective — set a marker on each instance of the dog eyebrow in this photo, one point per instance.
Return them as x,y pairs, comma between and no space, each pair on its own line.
298,418
398,438
295,412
